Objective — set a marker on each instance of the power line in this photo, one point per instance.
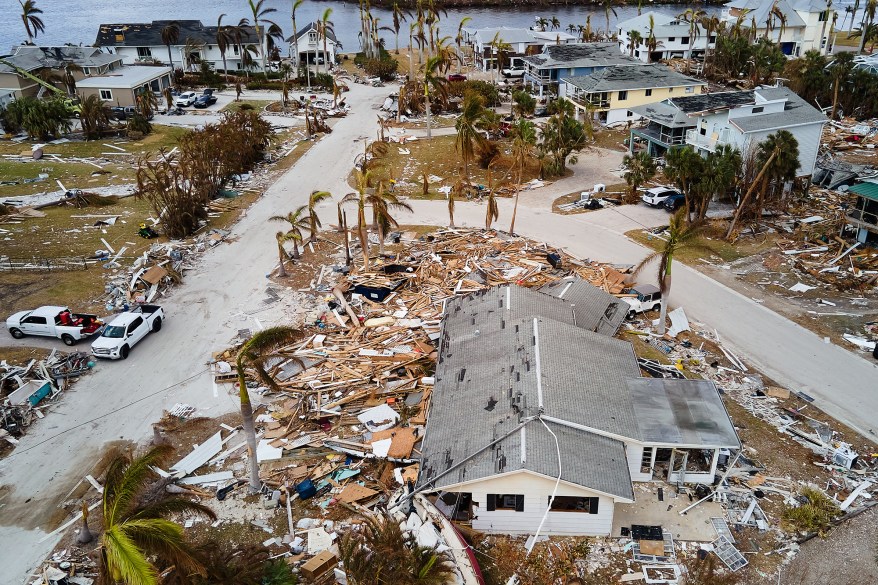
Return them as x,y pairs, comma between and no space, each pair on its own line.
112,412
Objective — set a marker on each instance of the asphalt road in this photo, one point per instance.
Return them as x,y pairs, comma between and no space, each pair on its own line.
120,400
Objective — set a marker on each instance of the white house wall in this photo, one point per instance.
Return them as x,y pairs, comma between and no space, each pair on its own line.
536,491
209,53
808,138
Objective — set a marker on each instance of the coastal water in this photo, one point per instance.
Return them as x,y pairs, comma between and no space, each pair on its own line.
77,21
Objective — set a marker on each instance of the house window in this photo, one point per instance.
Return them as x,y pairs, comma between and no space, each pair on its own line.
672,39
824,16
690,89
711,40
623,95
86,71
629,113
312,36
648,92
144,52
236,50
684,40
757,110
106,95
670,90
575,504
506,502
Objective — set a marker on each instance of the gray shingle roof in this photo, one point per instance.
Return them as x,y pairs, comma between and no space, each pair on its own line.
664,114
581,55
509,355
595,310
31,58
713,102
796,112
759,11
683,412
149,34
625,77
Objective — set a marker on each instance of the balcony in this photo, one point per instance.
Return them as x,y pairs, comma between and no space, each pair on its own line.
592,101
709,143
661,134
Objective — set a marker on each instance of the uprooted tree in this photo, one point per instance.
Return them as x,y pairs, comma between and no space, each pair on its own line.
180,185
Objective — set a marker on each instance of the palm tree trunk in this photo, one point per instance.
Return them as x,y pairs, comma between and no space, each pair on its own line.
427,105
171,60
380,240
749,192
282,271
663,308
515,207
296,250
313,236
249,430
451,208
364,239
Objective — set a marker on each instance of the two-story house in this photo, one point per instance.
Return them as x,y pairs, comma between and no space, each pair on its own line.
142,43
544,71
674,38
742,119
611,93
30,69
310,47
797,25
484,43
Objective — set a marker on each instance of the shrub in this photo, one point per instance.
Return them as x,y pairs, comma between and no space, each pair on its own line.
384,67
814,515
39,118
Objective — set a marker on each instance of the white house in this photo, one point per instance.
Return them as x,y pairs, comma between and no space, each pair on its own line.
546,69
483,43
141,43
121,86
527,379
797,25
739,118
674,37
309,45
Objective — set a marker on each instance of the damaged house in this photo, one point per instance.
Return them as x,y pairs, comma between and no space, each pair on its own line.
534,398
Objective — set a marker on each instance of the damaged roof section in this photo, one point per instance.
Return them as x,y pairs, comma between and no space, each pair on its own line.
624,77
149,34
582,55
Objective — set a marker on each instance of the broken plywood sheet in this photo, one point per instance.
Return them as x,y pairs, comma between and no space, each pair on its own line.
402,441
354,492
652,547
266,452
318,540
154,275
199,456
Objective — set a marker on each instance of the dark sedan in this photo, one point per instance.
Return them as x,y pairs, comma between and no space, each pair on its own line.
205,100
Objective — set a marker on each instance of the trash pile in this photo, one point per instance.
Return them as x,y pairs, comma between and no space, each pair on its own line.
26,390
851,136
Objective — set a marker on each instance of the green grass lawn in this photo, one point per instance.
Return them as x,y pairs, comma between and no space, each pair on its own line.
257,105
114,168
713,246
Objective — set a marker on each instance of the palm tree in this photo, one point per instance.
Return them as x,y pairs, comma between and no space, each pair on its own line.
259,15
651,42
680,236
136,527
382,202
542,23
434,78
778,155
94,116
556,24
635,39
399,16
223,39
682,167
314,221
492,211
293,40
710,23
324,27
524,138
472,115
720,175
868,19
170,36
571,28
382,549
693,17
641,168
363,181
608,8
298,221
191,52
458,40
258,350
282,238
33,24
841,69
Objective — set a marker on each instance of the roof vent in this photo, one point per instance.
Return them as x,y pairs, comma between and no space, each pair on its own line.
492,402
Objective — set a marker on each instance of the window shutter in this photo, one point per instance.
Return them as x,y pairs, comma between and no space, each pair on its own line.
593,505
492,502
519,503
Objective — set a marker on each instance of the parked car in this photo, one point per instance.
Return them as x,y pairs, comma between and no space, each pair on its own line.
647,297
126,112
126,330
52,321
186,99
512,72
675,202
457,77
656,196
205,100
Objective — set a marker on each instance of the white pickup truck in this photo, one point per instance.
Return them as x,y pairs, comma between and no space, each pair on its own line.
126,330
52,321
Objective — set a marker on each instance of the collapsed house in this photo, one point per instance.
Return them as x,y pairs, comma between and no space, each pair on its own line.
536,404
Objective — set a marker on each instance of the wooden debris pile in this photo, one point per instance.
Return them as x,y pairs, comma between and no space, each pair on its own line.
25,390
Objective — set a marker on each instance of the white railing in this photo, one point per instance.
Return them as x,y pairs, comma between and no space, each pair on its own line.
695,138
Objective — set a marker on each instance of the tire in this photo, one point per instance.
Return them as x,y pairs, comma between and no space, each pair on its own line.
657,307
157,325
68,339
123,353
16,333
630,315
